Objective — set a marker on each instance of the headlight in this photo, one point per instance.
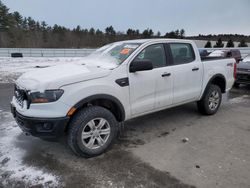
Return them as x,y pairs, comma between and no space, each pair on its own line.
46,97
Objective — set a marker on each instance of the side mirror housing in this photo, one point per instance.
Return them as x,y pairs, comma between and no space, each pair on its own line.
140,65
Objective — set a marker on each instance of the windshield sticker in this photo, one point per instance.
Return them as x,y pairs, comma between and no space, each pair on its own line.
125,51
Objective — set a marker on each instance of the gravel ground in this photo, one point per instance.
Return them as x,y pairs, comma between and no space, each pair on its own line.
172,148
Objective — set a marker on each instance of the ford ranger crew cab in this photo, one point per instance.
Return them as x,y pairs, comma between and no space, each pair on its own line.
88,99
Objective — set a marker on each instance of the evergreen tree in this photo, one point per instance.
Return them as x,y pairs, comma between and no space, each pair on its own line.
99,32
31,23
208,45
6,19
182,33
230,43
242,43
219,44
129,32
92,31
77,29
24,24
44,26
147,33
137,32
18,19
150,32
158,34
171,34
38,26
110,30
177,33
44,32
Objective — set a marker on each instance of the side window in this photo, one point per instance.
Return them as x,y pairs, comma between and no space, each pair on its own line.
155,53
182,53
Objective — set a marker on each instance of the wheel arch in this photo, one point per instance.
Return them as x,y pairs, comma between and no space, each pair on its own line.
219,80
104,100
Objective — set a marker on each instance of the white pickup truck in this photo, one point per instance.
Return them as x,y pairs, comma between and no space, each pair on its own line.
87,100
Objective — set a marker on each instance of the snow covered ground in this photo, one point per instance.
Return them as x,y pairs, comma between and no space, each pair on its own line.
12,168
12,68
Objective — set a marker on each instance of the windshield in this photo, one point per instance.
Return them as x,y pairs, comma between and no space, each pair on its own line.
118,52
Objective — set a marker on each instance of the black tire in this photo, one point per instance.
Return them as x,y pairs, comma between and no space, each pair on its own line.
80,123
236,85
204,104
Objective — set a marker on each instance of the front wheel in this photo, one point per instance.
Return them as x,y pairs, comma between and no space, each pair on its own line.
92,131
211,100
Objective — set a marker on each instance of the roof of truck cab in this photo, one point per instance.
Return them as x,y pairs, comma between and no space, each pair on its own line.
155,40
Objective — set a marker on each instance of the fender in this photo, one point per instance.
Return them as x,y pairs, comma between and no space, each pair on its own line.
103,97
211,80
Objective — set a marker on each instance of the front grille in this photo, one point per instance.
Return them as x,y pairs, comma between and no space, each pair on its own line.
20,95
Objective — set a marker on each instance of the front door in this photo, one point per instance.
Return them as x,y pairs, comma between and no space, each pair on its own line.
151,89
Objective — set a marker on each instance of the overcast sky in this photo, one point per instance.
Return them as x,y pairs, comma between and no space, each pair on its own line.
195,16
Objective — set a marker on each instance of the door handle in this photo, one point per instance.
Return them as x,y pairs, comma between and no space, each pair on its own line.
195,69
166,74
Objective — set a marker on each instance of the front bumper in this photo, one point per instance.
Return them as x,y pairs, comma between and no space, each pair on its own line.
41,127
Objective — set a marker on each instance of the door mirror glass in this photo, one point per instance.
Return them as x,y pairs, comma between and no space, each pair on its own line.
140,65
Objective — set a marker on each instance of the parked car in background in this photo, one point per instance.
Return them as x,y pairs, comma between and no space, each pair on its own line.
243,72
231,53
203,53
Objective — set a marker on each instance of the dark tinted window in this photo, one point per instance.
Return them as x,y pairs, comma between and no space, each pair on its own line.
155,53
182,53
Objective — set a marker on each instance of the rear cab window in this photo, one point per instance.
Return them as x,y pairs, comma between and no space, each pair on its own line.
182,53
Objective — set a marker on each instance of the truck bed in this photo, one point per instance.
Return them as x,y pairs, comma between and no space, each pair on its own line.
207,58
222,66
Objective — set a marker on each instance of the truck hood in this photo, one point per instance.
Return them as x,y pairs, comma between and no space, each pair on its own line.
57,76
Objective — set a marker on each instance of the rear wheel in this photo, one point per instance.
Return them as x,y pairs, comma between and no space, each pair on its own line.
211,100
92,131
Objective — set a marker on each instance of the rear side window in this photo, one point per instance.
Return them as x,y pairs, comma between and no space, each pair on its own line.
182,53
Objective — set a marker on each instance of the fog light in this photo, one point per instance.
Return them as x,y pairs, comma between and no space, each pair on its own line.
47,126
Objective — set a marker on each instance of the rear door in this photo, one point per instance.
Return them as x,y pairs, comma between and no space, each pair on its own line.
187,72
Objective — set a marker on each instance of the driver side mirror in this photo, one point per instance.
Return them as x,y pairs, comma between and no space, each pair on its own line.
140,65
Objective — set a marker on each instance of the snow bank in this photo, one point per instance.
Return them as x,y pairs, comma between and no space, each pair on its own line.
11,166
12,68
236,100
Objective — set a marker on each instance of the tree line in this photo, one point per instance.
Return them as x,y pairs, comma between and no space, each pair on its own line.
229,38
17,31
229,44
